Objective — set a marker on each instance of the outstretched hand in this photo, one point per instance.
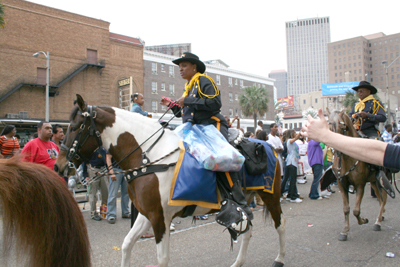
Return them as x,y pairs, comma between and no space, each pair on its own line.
316,129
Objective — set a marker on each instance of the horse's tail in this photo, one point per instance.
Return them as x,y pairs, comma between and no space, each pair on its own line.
41,216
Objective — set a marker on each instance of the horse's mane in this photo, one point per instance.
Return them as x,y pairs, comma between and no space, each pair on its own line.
41,217
338,115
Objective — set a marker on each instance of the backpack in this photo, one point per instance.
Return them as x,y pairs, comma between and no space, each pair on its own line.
255,155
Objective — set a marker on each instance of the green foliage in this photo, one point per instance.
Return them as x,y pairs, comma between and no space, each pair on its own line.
310,111
2,22
349,100
253,102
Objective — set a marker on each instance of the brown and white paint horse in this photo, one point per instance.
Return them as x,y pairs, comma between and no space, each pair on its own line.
41,219
121,132
349,171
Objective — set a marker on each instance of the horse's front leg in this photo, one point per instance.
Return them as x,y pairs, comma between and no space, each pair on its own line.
142,224
357,205
243,248
382,197
346,211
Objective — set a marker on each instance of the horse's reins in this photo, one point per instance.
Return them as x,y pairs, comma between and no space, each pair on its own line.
145,160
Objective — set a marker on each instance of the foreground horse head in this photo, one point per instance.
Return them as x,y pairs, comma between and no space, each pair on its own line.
41,215
132,140
83,134
350,171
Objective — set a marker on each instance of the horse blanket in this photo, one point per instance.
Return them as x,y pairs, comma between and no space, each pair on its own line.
193,185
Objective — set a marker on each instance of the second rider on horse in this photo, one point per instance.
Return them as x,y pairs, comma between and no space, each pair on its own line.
366,114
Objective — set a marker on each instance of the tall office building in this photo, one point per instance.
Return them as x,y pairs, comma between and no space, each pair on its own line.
307,55
280,77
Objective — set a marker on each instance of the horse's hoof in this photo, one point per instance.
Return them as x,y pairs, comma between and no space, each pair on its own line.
277,264
377,227
342,237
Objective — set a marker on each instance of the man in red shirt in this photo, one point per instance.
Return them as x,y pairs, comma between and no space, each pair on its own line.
41,150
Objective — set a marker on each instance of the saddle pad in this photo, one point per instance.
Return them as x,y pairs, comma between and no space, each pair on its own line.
265,180
193,185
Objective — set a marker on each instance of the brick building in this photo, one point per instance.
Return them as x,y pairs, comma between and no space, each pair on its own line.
364,58
162,78
85,58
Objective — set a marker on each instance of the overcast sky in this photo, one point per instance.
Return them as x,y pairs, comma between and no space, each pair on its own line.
247,35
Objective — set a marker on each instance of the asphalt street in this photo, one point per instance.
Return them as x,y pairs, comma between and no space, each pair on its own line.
312,230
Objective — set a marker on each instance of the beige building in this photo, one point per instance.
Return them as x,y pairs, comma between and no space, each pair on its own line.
366,58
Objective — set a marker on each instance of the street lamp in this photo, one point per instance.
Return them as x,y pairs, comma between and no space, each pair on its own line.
47,80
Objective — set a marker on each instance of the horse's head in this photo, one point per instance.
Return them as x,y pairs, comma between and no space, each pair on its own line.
340,122
83,135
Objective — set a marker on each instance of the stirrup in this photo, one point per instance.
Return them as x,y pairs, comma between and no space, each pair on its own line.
384,183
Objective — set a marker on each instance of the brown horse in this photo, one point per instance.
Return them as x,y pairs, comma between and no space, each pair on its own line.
41,217
350,171
127,136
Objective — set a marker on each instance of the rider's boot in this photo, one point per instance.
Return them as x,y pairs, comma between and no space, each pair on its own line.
383,181
238,197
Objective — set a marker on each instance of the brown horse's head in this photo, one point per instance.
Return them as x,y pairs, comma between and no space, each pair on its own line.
340,122
83,134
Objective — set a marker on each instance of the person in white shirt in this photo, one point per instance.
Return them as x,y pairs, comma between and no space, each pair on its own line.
275,142
259,126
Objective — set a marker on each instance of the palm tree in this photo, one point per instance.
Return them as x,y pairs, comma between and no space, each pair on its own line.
349,100
253,101
1,16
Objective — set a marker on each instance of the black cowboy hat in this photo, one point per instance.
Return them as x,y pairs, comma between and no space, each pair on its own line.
192,58
366,85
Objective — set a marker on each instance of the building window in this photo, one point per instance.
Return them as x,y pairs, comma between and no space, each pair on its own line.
172,89
230,97
300,124
162,86
241,84
230,81
304,101
218,80
316,100
154,68
236,82
171,71
154,106
295,125
230,112
286,125
91,56
162,67
154,87
236,97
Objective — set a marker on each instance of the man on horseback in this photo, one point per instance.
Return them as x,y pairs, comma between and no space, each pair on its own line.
201,104
366,114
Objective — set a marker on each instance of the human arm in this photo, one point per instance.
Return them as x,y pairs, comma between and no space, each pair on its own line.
238,121
297,136
110,169
136,108
27,152
173,105
368,150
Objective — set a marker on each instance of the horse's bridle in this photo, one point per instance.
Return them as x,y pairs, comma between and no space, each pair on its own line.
80,139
